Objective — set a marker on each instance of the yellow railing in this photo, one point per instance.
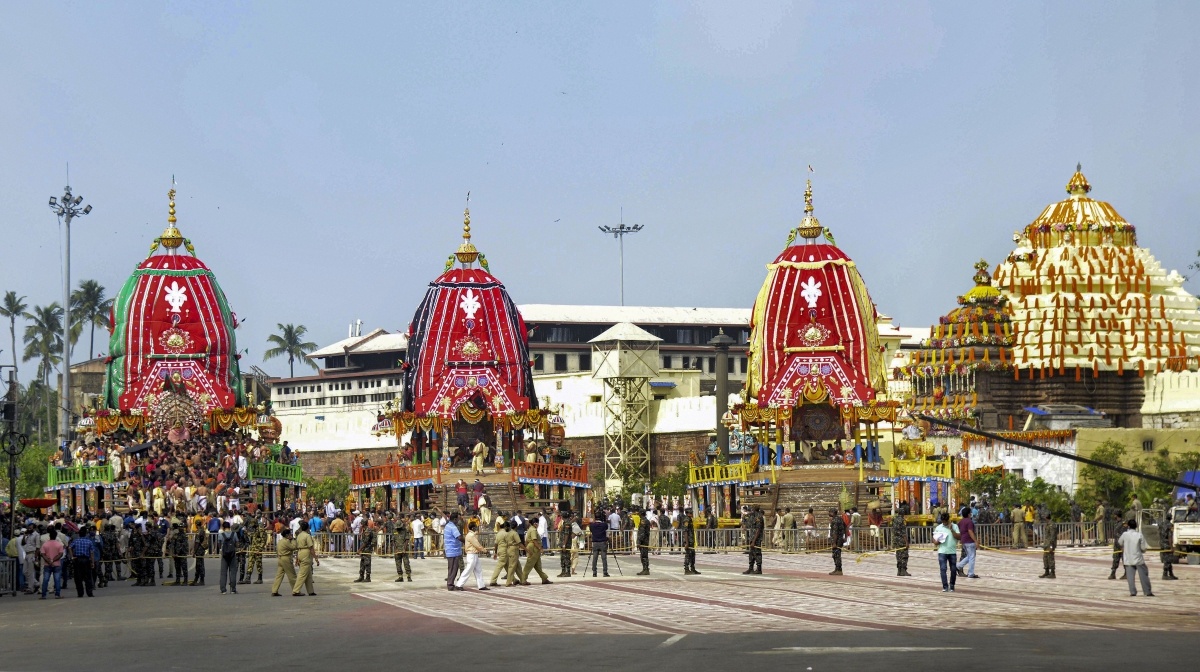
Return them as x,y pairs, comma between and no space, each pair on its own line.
717,473
920,468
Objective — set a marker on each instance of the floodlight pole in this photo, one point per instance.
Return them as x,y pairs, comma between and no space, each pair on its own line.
619,232
67,210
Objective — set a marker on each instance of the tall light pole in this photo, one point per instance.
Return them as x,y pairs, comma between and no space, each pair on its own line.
67,209
619,232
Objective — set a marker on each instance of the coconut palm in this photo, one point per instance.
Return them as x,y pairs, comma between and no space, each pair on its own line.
290,341
43,343
88,307
13,307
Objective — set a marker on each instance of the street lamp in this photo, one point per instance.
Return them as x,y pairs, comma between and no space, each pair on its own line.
67,209
619,232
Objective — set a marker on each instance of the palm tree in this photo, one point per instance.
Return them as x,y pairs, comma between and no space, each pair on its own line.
13,307
290,341
89,307
43,342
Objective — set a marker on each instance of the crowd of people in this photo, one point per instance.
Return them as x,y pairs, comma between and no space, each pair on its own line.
201,473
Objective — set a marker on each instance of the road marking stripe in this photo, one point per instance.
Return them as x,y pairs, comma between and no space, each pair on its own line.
863,649
671,640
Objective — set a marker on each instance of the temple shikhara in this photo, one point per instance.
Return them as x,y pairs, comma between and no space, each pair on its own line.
1077,315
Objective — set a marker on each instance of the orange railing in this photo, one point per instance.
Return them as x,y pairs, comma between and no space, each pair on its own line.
550,472
394,473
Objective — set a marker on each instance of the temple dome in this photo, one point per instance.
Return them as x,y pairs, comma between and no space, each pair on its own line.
1085,296
468,349
172,328
814,335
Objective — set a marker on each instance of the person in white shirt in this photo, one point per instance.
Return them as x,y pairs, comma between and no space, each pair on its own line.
1133,548
543,531
418,528
294,525
242,465
330,509
356,528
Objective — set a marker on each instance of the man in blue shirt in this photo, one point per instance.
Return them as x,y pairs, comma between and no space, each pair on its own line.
315,524
81,552
452,542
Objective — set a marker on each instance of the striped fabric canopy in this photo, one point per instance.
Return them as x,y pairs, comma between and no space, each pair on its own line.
813,332
467,343
171,317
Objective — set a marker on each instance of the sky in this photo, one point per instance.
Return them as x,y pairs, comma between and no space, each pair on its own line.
323,151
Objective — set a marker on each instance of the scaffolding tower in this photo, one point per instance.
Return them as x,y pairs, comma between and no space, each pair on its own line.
626,358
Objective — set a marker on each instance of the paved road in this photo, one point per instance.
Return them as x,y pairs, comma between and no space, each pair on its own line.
793,617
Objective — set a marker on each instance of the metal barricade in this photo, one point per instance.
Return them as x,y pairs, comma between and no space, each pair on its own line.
9,570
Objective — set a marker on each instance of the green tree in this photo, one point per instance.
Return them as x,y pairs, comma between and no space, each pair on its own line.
1009,490
633,480
31,469
1163,465
290,342
43,344
334,488
89,307
673,483
13,307
1098,483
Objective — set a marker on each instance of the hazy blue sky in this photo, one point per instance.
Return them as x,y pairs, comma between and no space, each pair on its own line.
323,150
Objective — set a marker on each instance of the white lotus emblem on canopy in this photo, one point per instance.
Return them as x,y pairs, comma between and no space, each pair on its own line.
470,304
176,296
811,291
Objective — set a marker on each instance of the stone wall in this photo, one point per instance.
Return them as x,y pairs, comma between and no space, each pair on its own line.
668,451
326,463
819,496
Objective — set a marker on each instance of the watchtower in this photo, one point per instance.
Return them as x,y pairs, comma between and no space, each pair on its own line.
626,359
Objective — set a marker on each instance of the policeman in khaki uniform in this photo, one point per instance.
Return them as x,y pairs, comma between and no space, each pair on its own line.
501,548
533,554
306,554
286,549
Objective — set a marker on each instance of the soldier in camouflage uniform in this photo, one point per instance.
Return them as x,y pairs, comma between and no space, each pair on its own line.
1117,555
177,545
755,523
900,543
109,554
403,546
366,548
1049,543
688,530
1166,539
140,547
258,545
566,543
243,548
837,535
199,545
643,544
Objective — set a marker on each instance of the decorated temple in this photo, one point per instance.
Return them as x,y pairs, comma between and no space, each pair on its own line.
467,380
813,401
952,374
1093,314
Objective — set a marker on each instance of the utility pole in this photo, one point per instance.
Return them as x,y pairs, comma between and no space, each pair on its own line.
722,342
66,210
619,232
13,444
